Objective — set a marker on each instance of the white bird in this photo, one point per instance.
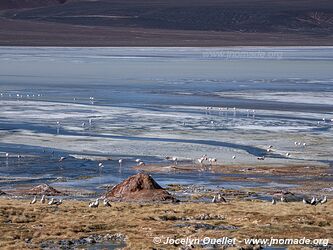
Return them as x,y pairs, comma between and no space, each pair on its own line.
101,165
59,202
42,200
137,160
261,158
304,144
120,161
214,199
313,201
296,143
106,203
220,198
200,160
269,150
34,200
234,157
141,163
270,146
94,204
62,158
7,155
175,159
213,160
306,201
324,200
283,199
273,201
51,202
287,154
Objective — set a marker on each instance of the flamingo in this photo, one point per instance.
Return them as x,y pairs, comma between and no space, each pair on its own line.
62,159
212,160
175,159
137,160
200,160
141,163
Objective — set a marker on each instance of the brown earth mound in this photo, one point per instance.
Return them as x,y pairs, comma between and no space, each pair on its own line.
139,187
43,189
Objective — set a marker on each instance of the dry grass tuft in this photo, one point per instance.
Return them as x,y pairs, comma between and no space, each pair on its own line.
20,221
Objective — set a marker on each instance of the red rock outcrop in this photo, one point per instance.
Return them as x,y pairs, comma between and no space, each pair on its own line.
141,188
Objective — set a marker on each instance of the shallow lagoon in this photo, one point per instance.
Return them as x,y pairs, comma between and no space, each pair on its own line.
151,103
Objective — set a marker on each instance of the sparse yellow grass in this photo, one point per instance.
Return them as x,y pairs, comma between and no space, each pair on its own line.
141,222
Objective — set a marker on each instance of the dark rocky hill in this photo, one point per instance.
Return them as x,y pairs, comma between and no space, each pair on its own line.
190,22
19,4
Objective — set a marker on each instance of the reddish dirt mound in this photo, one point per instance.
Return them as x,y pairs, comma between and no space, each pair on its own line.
139,187
43,189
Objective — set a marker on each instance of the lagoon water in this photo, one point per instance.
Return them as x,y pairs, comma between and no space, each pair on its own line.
150,103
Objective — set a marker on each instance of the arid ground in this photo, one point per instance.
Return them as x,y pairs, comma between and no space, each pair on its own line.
27,226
